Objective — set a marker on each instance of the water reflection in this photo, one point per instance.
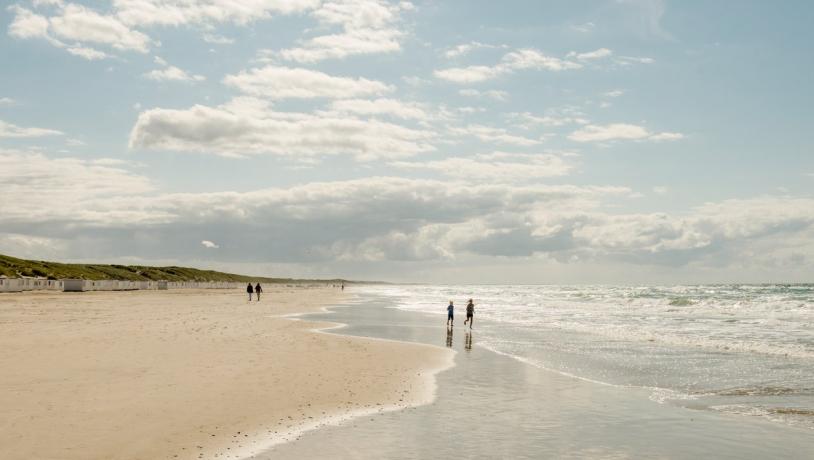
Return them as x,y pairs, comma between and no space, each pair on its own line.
449,336
468,340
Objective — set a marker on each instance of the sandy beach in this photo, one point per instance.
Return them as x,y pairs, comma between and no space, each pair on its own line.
187,374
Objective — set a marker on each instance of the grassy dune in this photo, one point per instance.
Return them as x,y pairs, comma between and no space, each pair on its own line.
13,267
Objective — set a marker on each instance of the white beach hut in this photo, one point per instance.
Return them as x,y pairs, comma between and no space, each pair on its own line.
10,285
74,285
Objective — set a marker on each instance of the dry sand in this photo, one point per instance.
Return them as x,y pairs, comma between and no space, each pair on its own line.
186,373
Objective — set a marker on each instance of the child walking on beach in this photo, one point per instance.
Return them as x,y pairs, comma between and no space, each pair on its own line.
450,314
470,313
250,290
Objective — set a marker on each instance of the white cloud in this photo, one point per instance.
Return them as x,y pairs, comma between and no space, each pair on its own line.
584,27
210,245
57,189
416,81
525,58
84,25
619,131
9,130
39,3
80,25
31,247
529,58
630,60
468,109
494,135
217,39
93,209
660,190
734,224
471,74
594,133
7,102
496,167
600,53
172,73
666,137
27,24
492,94
368,27
248,126
555,118
285,82
185,12
88,53
614,93
381,106
318,221
466,48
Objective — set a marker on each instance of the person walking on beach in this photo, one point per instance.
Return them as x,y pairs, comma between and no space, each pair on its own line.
470,313
450,314
250,290
257,291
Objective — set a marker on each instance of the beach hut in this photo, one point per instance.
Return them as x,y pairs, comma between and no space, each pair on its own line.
74,285
10,285
53,285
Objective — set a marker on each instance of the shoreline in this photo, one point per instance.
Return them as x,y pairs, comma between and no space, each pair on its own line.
164,374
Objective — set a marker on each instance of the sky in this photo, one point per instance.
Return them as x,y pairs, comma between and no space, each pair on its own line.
605,141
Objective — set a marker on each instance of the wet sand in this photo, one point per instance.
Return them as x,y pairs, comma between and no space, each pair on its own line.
187,373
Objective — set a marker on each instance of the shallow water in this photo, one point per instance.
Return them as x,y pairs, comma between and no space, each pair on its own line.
495,406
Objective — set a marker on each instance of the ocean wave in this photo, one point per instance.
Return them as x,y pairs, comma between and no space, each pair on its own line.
680,302
764,391
803,418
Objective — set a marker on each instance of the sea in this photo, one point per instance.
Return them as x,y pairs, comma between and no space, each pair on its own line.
739,349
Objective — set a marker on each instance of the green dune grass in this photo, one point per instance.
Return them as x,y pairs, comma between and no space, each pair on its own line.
13,267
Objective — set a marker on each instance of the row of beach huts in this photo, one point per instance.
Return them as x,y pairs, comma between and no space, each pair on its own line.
77,285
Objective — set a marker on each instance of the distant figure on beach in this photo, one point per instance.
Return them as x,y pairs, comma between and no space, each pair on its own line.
450,314
258,290
343,286
250,290
470,313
